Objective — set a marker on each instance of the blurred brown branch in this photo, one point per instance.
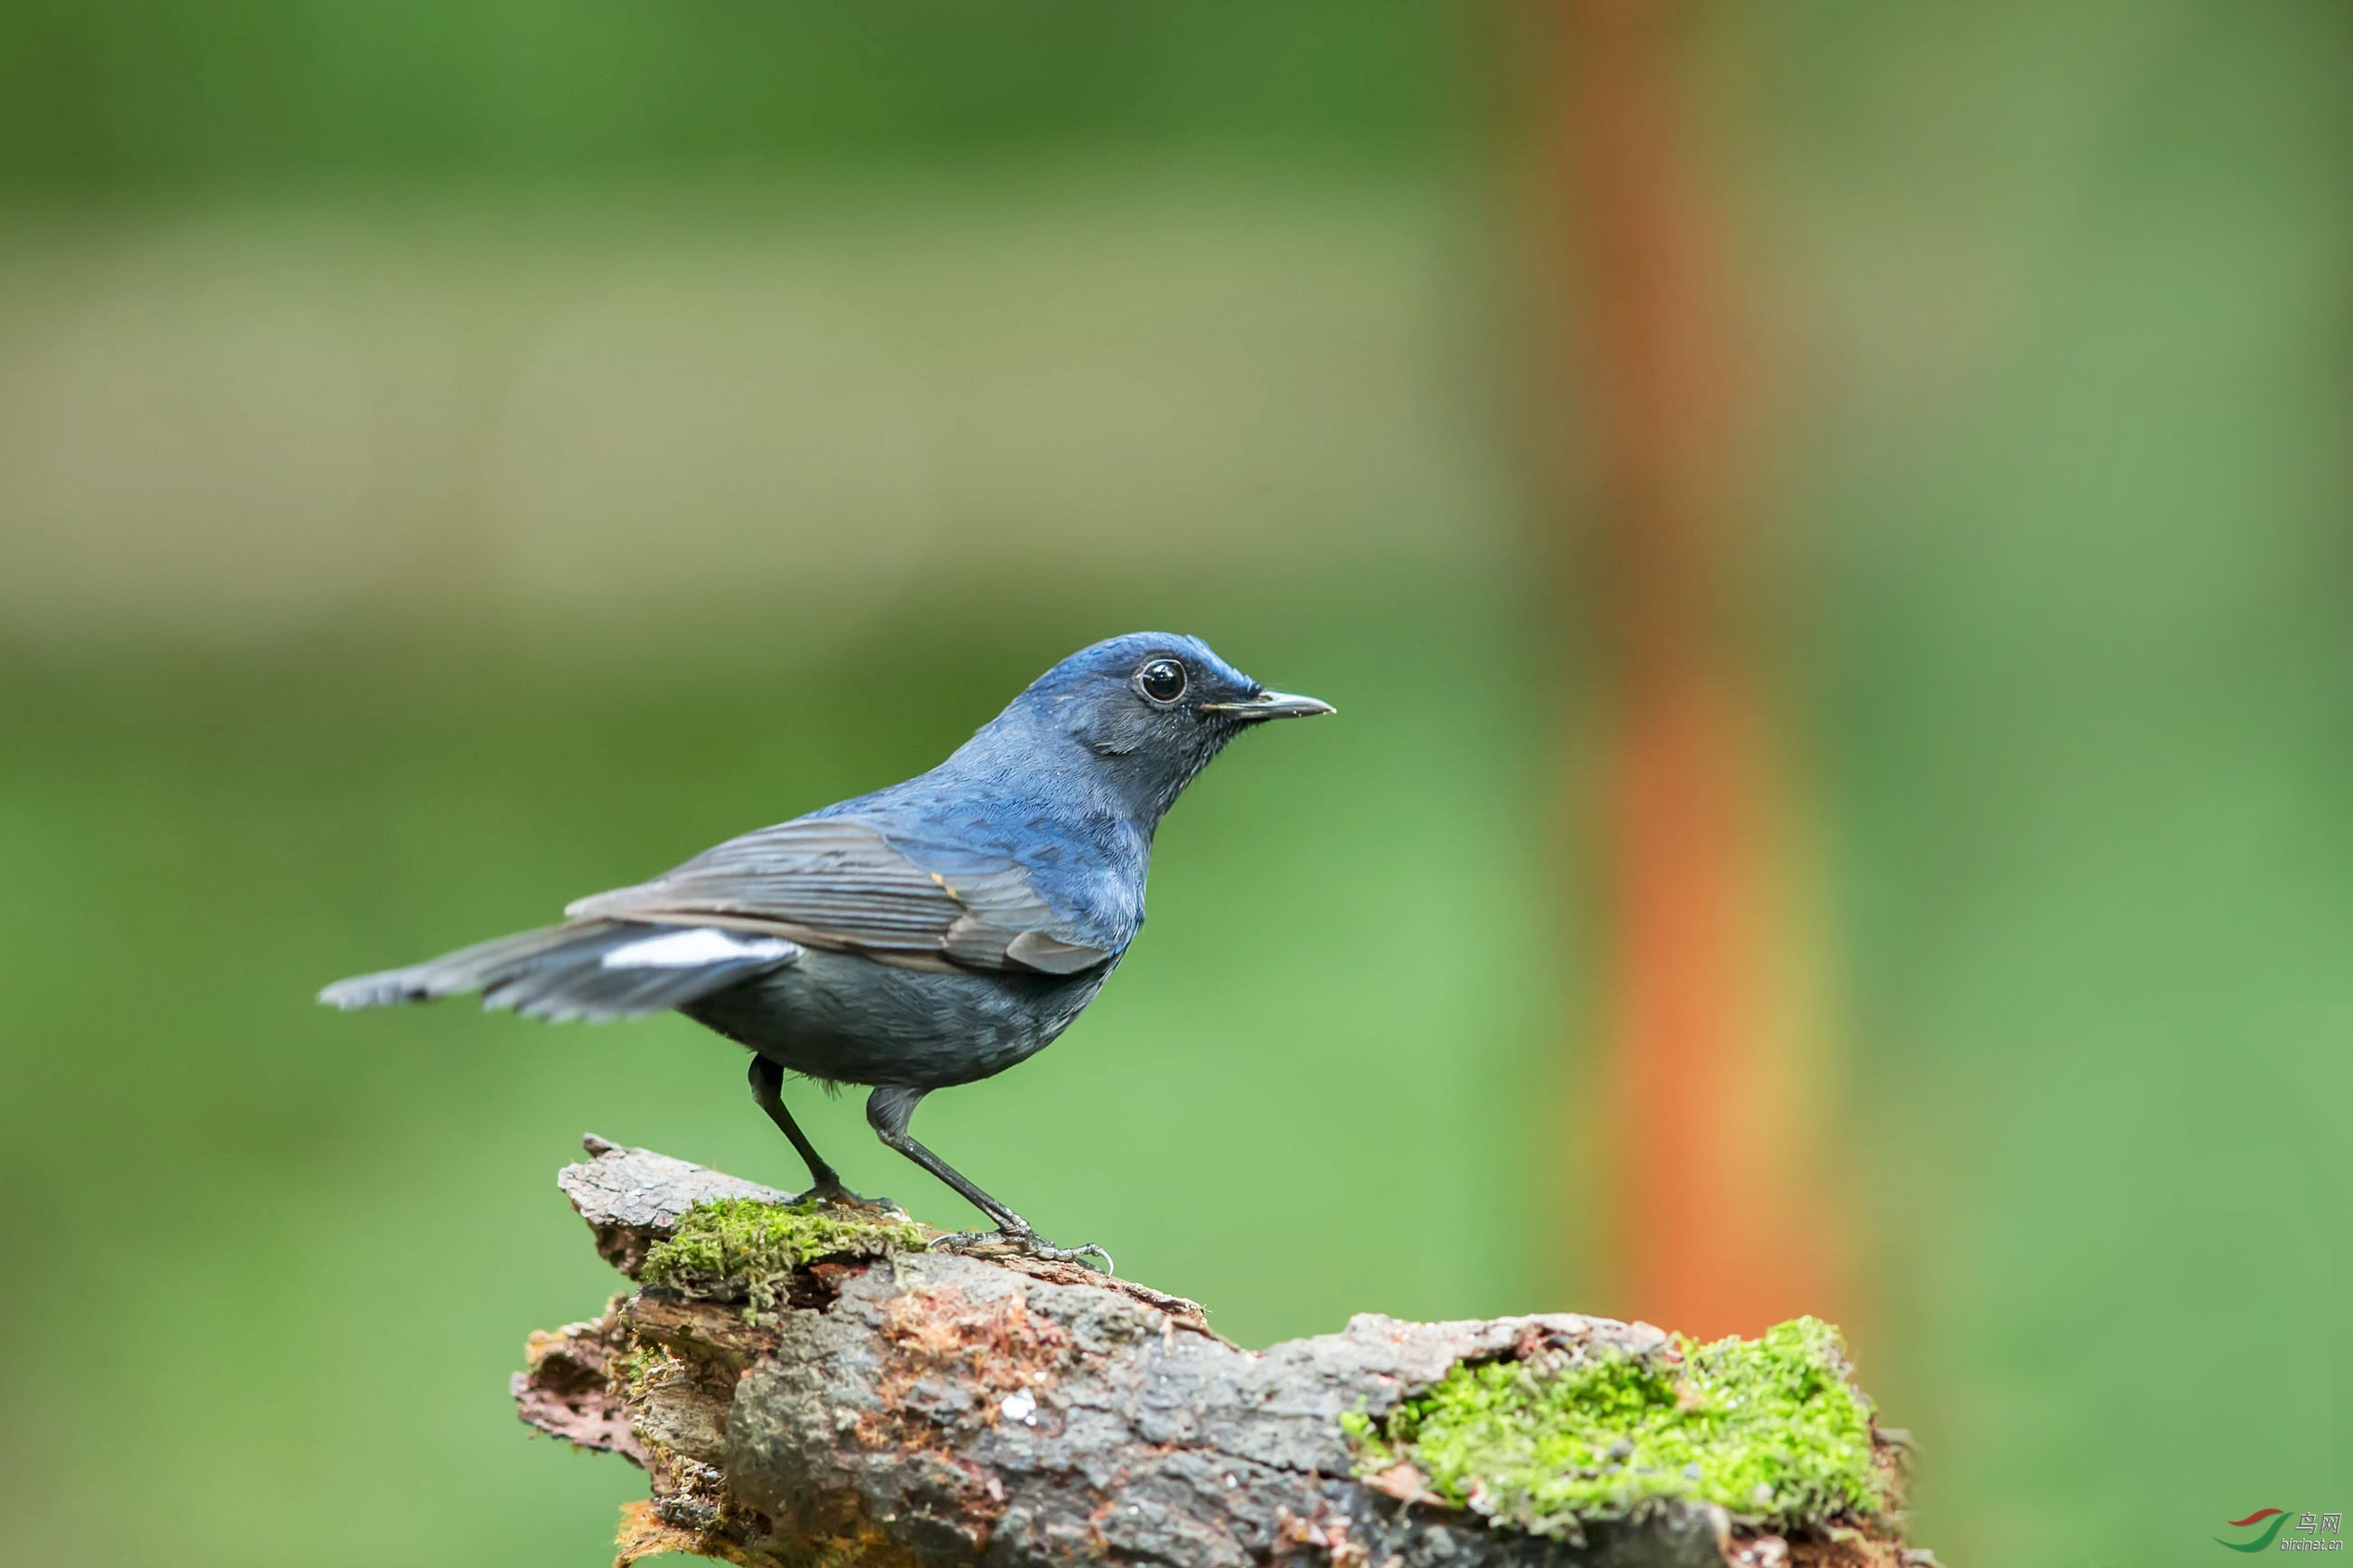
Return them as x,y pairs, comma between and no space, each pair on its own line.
1710,1060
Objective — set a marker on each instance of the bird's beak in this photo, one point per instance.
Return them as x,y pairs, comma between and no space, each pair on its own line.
1270,705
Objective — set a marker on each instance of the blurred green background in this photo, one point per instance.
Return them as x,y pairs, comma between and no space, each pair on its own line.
455,457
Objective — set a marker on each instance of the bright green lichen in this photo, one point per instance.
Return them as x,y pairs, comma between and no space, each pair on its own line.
1768,1428
741,1249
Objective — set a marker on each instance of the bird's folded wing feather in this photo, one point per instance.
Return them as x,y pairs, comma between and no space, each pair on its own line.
837,883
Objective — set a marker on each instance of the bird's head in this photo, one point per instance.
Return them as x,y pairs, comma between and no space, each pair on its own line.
1154,708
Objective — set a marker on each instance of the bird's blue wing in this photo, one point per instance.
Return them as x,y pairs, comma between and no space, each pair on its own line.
836,882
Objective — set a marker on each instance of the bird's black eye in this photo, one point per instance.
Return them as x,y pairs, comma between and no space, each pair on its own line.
1162,679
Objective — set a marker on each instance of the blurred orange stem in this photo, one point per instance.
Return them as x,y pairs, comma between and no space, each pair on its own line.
1718,1228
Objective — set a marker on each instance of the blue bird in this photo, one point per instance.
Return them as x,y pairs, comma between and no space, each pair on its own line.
929,934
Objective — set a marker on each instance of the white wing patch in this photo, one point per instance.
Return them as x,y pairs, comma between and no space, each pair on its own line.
694,946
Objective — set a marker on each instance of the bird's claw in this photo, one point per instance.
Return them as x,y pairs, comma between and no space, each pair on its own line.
1028,1242
834,1195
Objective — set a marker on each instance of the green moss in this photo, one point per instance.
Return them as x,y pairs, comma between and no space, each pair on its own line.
1770,1428
642,1365
740,1249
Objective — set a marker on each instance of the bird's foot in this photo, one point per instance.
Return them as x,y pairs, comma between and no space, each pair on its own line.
834,1195
1027,1243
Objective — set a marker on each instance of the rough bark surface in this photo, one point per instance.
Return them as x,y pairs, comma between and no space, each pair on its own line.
935,1409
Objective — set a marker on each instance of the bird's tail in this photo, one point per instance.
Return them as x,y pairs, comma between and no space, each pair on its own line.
584,969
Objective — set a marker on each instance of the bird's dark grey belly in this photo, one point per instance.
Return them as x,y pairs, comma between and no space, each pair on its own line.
835,1015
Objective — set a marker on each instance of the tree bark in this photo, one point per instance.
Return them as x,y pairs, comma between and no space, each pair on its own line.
936,1409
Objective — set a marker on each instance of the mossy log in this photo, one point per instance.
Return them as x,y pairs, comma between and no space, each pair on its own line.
805,1385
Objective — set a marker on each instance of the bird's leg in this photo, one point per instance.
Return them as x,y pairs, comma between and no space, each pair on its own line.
767,1091
888,1110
